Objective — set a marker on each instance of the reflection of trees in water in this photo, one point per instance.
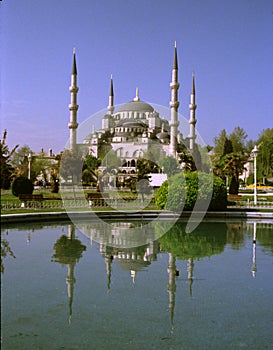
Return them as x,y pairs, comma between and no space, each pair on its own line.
68,250
5,251
235,234
206,240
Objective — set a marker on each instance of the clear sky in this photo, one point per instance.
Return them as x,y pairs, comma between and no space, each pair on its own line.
228,44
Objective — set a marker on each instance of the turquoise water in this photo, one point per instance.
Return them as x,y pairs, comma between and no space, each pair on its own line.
210,289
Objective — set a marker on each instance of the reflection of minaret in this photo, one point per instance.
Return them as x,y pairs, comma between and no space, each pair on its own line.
70,281
254,267
68,251
171,287
71,231
133,275
108,261
190,266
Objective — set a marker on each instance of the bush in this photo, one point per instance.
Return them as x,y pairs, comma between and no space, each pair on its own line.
181,191
21,185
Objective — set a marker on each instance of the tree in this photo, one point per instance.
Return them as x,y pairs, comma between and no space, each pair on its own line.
21,185
187,161
229,157
20,161
265,155
145,166
228,148
6,166
234,166
181,191
238,139
169,165
71,165
219,142
90,172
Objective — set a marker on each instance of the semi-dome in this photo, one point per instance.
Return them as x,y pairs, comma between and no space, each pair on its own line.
136,106
131,123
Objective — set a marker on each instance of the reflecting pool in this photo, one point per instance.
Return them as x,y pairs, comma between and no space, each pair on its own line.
209,289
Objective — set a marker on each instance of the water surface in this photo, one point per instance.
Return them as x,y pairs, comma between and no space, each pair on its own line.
210,289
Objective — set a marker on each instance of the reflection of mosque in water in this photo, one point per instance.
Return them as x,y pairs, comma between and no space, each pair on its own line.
175,243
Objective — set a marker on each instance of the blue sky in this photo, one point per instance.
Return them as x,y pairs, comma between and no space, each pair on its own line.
228,44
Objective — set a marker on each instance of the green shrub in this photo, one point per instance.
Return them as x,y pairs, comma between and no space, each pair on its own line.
21,185
181,191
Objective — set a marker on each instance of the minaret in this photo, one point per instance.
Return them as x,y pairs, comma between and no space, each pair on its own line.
174,104
192,121
73,107
111,97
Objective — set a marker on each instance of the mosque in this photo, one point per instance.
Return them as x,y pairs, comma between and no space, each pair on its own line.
135,126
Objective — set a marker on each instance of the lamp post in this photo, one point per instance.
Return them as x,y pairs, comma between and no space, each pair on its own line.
29,160
255,153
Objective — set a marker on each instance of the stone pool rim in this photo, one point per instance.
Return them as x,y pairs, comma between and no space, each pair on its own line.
128,215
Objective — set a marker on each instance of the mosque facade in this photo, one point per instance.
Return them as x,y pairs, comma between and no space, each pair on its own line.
136,126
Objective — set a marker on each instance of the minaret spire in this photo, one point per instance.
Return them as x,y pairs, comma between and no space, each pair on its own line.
73,106
111,97
192,121
174,104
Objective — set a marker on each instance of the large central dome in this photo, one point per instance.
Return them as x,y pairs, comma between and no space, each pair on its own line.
136,106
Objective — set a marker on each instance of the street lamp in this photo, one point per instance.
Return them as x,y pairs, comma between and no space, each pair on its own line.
29,160
255,153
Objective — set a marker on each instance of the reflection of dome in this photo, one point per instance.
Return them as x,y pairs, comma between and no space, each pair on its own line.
136,106
133,264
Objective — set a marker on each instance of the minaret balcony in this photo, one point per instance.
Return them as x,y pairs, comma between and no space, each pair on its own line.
73,107
73,89
73,125
192,106
174,104
174,85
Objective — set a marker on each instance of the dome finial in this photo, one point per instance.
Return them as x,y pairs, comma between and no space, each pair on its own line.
136,99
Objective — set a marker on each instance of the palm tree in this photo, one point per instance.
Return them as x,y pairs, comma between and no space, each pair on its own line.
234,167
6,168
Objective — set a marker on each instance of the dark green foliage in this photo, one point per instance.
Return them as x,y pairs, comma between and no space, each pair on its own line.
227,147
219,195
21,185
234,186
181,192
